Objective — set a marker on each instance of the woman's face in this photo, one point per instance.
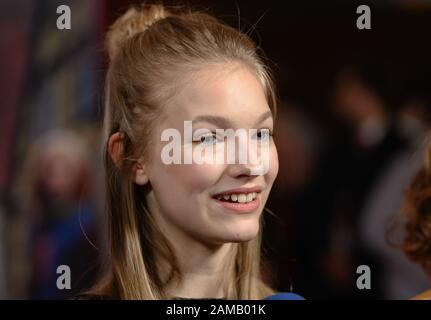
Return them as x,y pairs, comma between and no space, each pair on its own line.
186,198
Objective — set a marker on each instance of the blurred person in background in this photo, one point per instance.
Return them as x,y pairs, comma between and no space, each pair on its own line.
400,277
57,224
363,141
50,79
417,220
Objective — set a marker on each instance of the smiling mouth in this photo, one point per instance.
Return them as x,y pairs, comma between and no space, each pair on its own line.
239,202
237,197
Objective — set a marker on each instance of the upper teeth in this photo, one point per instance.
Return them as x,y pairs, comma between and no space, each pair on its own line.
241,197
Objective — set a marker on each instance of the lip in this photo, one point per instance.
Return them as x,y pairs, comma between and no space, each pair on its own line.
236,206
240,207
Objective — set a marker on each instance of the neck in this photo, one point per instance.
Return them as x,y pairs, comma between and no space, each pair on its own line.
202,269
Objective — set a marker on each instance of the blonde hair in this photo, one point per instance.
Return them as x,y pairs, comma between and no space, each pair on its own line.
150,48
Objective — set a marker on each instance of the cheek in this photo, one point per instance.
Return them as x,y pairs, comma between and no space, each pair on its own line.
188,180
184,179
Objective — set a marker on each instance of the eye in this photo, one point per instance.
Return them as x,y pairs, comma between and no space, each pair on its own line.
263,134
208,139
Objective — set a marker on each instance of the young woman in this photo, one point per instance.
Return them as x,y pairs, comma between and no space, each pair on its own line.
417,241
183,230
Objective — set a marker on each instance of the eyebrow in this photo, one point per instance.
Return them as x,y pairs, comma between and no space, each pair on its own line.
223,122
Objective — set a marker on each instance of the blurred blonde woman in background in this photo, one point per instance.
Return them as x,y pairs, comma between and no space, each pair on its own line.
58,218
183,230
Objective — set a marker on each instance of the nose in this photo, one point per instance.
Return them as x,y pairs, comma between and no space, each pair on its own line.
239,171
250,160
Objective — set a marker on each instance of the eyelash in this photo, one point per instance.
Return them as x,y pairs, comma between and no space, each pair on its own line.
270,133
213,134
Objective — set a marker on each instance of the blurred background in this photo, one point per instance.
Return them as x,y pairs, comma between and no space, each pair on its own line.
354,117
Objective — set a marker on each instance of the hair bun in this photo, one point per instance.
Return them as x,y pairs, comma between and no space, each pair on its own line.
134,21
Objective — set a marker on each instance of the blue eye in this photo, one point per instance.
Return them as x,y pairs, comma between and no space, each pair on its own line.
263,134
208,139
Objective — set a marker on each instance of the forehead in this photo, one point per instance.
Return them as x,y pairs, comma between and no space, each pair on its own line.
229,90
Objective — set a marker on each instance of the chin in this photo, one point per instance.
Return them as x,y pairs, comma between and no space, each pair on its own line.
243,233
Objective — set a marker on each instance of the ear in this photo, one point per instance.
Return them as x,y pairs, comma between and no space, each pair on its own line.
139,173
115,148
